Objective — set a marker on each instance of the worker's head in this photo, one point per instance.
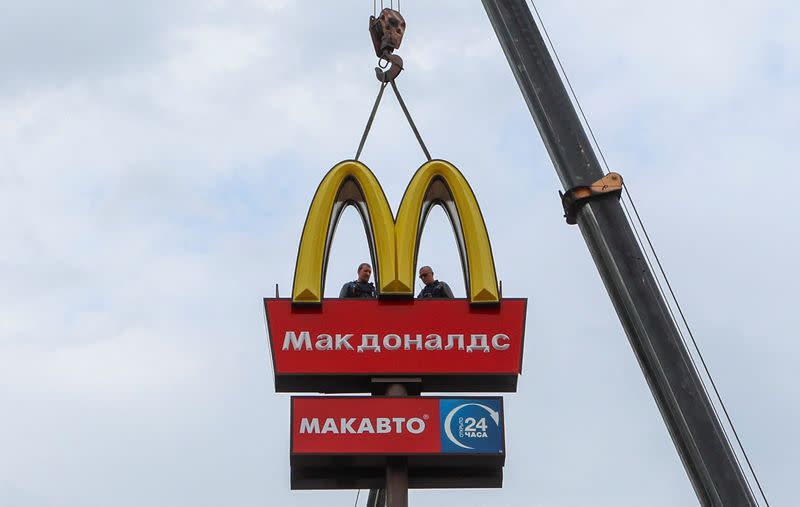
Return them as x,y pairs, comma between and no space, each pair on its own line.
364,272
426,275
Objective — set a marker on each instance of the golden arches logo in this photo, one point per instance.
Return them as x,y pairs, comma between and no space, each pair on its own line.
394,243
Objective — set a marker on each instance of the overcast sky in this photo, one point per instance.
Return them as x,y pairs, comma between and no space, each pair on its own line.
157,160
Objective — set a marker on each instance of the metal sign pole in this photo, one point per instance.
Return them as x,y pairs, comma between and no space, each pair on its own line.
397,467
397,482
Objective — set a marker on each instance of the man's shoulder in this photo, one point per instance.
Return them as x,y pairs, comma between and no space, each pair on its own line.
443,290
347,289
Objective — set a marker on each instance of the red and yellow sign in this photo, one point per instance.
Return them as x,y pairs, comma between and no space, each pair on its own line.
337,346
394,242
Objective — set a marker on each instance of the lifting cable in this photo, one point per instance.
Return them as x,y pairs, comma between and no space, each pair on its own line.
405,111
391,6
370,120
674,298
385,43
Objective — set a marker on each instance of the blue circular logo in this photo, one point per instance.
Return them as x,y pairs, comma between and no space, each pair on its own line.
471,425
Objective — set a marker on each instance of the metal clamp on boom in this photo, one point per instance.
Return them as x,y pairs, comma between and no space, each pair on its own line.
576,197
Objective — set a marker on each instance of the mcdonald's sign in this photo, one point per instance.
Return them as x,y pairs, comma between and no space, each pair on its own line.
394,243
338,345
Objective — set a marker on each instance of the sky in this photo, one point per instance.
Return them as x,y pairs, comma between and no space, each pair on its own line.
157,161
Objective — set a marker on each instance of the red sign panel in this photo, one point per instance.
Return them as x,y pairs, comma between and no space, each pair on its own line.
450,344
344,442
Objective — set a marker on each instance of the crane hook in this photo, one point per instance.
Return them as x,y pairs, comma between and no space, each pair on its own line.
387,33
386,76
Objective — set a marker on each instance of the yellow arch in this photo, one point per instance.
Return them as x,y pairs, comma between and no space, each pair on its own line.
439,182
394,246
339,188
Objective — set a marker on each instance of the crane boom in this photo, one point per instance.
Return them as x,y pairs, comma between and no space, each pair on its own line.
677,388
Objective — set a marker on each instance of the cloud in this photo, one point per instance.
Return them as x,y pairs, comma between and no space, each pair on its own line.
157,164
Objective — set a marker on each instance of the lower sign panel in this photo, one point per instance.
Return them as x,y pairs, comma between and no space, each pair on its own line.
344,442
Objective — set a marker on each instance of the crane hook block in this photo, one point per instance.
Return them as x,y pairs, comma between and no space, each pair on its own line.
575,198
387,34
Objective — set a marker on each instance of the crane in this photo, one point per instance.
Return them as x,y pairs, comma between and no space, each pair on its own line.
591,200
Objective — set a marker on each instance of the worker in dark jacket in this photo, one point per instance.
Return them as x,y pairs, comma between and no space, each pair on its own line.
361,287
433,288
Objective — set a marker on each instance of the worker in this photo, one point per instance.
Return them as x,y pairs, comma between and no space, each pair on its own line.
361,287
433,288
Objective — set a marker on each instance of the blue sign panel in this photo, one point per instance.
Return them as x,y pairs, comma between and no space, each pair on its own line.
472,425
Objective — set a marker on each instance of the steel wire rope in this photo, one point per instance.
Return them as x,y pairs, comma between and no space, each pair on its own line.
658,282
700,355
411,121
405,111
370,120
